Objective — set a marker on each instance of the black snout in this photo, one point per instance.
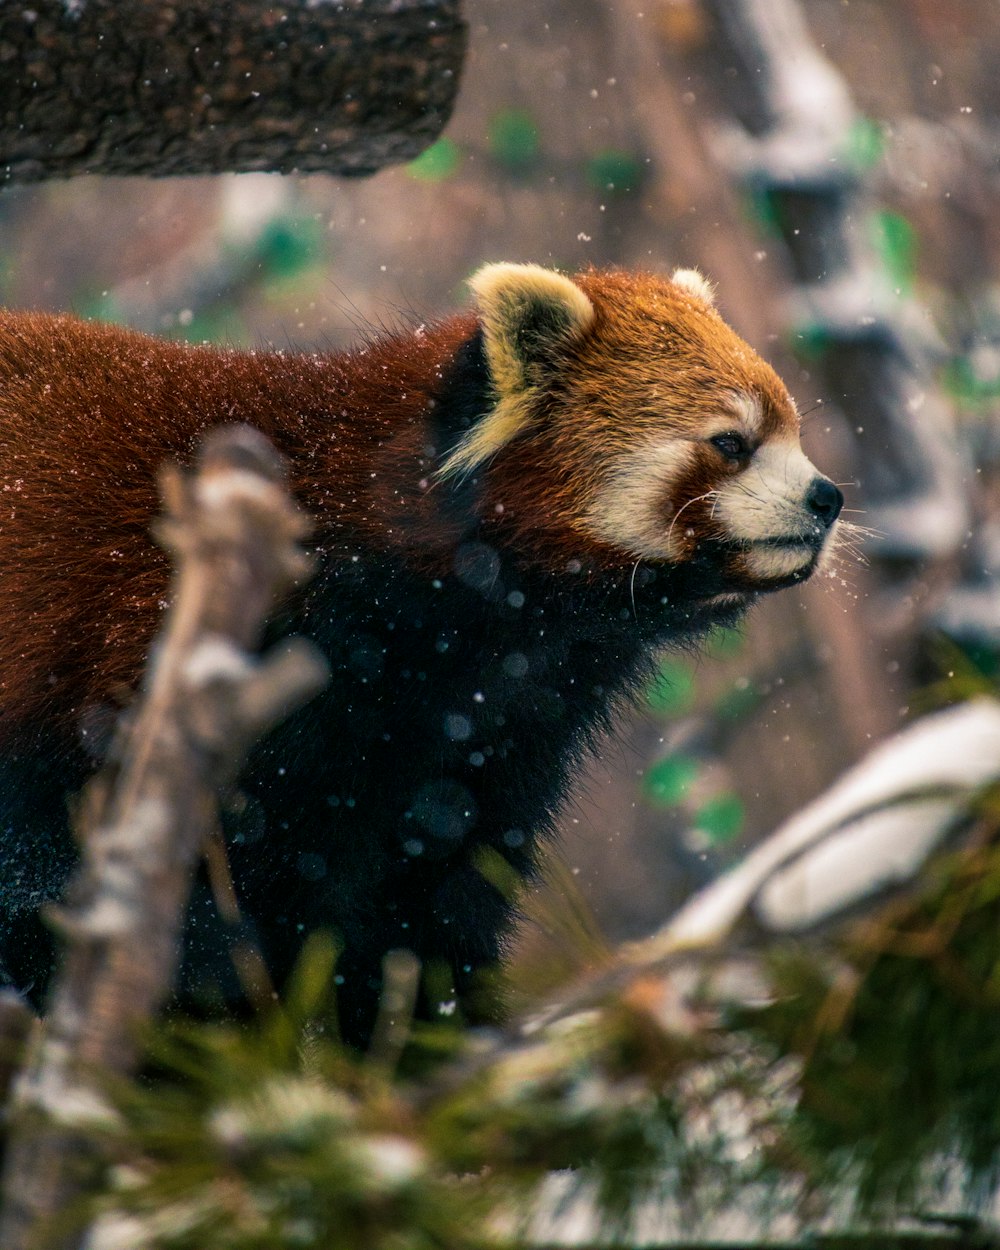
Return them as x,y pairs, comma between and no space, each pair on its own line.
824,500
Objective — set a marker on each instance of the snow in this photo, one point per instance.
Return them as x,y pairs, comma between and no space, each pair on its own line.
220,492
872,830
918,527
215,659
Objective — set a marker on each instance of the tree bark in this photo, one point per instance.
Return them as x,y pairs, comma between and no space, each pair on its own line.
132,87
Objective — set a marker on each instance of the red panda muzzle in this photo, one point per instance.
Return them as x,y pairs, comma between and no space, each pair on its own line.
825,500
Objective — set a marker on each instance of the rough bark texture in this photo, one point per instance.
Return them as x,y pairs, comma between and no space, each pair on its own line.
126,87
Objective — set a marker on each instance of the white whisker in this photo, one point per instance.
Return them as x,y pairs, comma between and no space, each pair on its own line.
631,588
709,494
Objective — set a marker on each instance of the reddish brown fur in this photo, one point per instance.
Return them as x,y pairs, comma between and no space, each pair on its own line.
656,358
494,502
88,412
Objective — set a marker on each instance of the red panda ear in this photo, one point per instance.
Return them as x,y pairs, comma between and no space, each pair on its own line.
695,282
529,315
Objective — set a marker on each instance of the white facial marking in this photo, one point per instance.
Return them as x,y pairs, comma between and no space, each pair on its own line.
747,409
625,511
766,499
763,505
777,562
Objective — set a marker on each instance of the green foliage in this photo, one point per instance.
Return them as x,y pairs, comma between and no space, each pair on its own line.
865,143
214,323
964,671
98,306
724,644
288,252
860,1071
737,700
811,340
722,817
577,1099
288,246
672,690
272,1136
896,242
668,781
968,384
616,171
763,207
514,138
874,1057
900,1043
437,163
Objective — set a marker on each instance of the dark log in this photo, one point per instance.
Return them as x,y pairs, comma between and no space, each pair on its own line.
128,87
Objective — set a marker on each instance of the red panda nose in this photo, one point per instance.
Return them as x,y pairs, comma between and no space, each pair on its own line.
824,500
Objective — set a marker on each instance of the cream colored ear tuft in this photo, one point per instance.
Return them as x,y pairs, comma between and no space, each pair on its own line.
696,283
529,316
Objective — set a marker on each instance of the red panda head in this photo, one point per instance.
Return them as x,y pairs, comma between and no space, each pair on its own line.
631,421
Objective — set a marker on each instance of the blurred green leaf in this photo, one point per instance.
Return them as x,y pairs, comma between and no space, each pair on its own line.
810,340
966,383
514,137
288,245
723,643
668,780
737,701
763,206
865,143
615,170
220,323
440,161
896,241
721,818
310,987
98,306
672,690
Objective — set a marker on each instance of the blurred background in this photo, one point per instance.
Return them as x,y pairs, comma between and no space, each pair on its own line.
847,204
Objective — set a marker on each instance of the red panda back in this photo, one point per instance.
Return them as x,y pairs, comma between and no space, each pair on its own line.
88,413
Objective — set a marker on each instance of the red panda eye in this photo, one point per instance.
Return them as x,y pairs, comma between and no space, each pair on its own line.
732,446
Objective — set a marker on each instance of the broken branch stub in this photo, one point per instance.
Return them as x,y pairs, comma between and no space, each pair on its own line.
234,533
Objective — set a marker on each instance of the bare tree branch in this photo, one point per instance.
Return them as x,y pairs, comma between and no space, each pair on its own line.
120,87
233,532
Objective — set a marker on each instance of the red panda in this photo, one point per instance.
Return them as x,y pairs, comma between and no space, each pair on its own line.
514,509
